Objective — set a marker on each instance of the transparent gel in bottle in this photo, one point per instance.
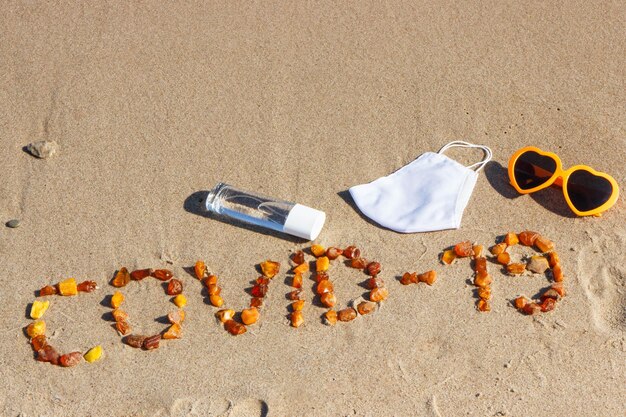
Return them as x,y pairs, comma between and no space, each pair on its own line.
270,213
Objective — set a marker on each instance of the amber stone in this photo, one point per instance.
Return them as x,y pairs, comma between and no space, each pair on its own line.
175,331
119,315
484,293
482,280
531,308
520,302
516,268
379,294
87,286
333,253
504,258
121,279
448,256
428,277
48,354
347,314
376,282
38,342
162,274
498,249
296,295
122,327
297,305
298,257
544,244
328,299
330,317
174,287
234,327
352,252
152,342
296,281
408,278
199,269
176,317
483,305
511,239
213,289
134,340
358,263
463,249
548,304
263,281
557,273
366,307
297,318
320,276
318,250
270,268
324,286
480,264
249,315
259,290
139,274
47,290
528,238
71,359
373,268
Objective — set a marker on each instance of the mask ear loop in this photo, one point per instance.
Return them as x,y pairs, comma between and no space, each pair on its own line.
461,144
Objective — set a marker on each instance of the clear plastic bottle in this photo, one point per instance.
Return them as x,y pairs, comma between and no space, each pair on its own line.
281,216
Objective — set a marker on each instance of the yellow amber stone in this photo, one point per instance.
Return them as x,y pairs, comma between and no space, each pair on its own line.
322,264
38,309
117,299
93,354
68,287
180,300
35,329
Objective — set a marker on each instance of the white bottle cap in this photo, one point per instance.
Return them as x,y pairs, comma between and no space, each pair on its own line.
304,222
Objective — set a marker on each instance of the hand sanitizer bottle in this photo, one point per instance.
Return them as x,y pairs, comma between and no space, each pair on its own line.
281,216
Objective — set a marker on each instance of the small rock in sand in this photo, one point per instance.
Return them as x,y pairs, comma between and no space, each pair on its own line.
43,148
538,264
13,223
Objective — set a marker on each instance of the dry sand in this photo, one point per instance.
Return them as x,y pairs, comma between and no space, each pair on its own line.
154,102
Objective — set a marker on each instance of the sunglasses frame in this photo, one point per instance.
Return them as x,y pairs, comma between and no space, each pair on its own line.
560,178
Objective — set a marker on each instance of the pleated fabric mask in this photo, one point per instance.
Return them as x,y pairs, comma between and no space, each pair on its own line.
426,195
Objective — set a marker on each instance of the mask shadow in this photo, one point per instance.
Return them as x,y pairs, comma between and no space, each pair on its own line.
345,196
195,204
498,177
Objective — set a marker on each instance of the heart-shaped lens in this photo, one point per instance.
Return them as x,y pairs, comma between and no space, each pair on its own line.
532,170
587,191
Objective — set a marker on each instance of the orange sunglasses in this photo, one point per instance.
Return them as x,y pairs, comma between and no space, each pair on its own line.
587,191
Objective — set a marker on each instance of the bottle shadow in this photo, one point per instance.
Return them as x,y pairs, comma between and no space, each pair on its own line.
550,198
195,204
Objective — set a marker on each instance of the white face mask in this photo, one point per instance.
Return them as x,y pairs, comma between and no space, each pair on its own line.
426,195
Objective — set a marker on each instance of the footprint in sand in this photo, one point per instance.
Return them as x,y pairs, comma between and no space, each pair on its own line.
604,285
250,407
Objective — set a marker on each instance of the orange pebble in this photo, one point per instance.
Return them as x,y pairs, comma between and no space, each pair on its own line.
379,294
200,269
249,315
296,319
463,249
328,299
448,256
504,258
557,273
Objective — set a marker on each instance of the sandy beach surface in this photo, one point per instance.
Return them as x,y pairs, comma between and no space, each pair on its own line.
152,103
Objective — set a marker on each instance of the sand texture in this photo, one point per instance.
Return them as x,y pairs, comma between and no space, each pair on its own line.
153,102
